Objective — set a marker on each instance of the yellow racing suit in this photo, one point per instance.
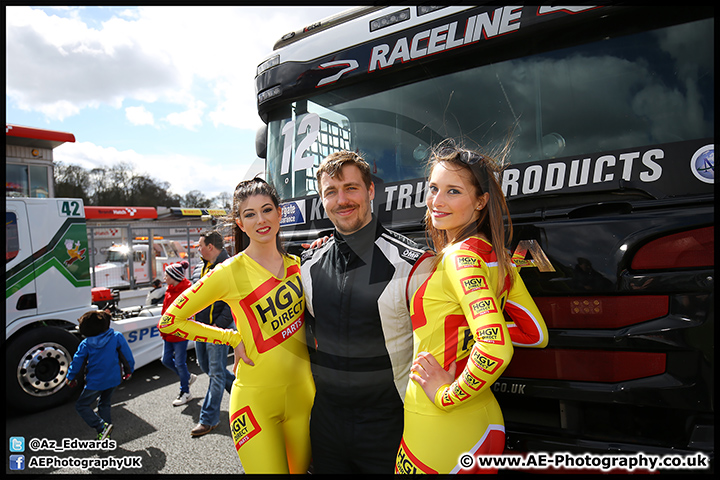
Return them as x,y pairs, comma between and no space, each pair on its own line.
457,316
270,402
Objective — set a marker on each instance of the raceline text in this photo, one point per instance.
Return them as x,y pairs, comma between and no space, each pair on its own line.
485,25
427,42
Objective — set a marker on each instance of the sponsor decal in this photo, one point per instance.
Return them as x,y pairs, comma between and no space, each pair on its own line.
152,332
243,427
463,261
538,258
473,283
483,361
276,310
459,393
166,320
120,212
483,306
349,65
472,381
181,300
445,35
506,387
702,164
445,398
406,462
405,196
293,213
411,255
74,251
542,178
491,334
484,26
647,168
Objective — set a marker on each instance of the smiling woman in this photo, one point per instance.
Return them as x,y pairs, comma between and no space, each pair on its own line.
273,391
458,317
452,204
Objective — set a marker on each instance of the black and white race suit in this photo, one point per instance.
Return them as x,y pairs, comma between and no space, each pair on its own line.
358,323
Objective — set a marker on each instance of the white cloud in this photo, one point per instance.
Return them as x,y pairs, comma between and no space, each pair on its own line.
156,55
190,118
89,67
173,70
182,172
139,116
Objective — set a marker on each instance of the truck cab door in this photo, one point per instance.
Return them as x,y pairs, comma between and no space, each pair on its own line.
21,297
160,259
141,266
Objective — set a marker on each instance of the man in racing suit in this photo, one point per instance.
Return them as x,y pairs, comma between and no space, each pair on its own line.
358,325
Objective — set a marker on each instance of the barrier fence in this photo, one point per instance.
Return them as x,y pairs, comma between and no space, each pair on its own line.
151,249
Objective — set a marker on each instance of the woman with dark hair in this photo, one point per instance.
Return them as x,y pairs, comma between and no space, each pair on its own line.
273,391
457,317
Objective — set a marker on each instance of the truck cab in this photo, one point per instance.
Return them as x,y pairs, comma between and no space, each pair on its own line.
47,288
115,271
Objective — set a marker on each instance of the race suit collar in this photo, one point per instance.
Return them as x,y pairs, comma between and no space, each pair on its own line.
361,242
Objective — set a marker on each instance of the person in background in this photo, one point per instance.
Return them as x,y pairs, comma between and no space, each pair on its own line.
272,396
212,358
175,348
462,342
156,294
101,356
358,325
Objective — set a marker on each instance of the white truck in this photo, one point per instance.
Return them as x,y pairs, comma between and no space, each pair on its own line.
115,272
47,288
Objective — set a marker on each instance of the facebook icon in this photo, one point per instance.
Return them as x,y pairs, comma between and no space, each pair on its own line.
17,462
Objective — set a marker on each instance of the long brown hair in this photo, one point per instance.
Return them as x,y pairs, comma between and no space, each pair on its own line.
484,171
249,188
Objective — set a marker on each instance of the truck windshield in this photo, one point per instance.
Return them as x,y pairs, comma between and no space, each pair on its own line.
642,89
116,256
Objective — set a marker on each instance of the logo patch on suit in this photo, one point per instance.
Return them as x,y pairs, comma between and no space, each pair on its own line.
243,426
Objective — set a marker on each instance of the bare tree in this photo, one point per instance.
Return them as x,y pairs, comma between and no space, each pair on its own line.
117,185
195,199
223,200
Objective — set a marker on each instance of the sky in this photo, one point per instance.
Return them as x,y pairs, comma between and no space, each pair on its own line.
169,90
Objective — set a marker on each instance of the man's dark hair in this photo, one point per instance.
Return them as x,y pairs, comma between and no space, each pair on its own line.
212,237
94,323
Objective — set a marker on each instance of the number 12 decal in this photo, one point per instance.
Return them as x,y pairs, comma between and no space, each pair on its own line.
310,127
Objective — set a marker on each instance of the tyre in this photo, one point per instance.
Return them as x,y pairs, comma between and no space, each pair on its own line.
37,364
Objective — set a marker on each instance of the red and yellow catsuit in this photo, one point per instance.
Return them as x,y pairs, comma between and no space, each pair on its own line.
270,402
457,316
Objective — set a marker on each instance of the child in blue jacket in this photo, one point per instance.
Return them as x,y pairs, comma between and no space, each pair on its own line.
106,358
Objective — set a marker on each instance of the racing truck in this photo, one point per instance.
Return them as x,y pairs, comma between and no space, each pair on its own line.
47,288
